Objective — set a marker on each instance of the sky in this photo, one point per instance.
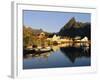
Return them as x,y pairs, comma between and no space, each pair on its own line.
51,21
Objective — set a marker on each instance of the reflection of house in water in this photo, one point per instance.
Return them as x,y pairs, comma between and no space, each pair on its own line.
73,53
55,48
76,44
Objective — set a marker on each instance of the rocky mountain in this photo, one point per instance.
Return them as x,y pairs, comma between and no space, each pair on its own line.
74,28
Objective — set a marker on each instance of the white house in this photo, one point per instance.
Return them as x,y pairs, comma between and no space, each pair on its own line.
56,38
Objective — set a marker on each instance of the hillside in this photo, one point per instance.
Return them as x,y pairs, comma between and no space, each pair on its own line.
73,29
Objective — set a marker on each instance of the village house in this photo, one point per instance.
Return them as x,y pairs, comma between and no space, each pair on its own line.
59,40
56,38
86,41
41,35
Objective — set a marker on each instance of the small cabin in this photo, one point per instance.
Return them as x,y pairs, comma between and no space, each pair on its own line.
55,38
41,35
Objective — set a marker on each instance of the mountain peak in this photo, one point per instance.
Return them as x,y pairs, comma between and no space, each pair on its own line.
73,28
72,19
71,23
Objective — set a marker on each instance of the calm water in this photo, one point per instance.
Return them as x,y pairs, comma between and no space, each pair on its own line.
64,55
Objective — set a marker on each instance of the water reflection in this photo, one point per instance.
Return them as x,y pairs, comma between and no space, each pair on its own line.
35,55
72,52
66,52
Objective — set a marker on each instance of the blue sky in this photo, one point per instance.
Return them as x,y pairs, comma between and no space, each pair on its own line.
51,21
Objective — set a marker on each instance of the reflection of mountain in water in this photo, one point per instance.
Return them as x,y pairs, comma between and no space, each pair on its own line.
72,52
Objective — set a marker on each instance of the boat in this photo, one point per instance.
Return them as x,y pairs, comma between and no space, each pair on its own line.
43,50
37,50
28,51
